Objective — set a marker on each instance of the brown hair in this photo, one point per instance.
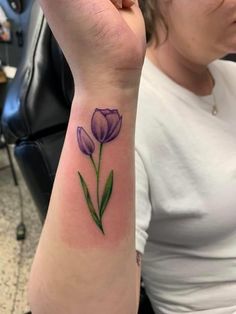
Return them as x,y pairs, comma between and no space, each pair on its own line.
152,14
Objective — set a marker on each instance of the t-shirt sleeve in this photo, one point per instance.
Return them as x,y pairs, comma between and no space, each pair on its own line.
143,207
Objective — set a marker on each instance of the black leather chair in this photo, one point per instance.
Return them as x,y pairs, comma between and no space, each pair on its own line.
37,108
36,113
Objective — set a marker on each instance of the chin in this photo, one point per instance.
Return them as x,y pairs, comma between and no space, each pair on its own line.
225,47
231,46
229,55
226,53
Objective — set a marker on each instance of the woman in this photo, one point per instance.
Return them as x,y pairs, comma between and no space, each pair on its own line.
185,161
186,157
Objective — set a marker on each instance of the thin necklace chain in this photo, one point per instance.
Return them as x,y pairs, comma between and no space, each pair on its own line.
214,110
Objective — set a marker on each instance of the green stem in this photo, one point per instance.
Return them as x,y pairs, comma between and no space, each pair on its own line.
98,175
101,228
97,170
94,165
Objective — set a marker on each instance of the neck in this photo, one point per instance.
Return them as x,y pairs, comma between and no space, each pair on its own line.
192,76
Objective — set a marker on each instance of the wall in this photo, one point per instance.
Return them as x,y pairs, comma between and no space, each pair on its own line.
11,53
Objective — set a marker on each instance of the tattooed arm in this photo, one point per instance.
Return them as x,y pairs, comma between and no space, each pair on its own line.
85,262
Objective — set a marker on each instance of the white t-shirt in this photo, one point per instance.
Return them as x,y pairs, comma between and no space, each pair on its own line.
186,193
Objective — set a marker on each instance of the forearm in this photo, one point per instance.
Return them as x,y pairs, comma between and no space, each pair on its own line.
86,264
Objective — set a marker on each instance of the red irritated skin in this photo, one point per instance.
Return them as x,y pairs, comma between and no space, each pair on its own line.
95,256
99,155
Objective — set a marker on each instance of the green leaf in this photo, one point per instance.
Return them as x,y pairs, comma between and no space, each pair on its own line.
106,194
89,202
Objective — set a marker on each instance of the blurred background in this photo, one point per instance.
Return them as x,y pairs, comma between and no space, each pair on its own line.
16,206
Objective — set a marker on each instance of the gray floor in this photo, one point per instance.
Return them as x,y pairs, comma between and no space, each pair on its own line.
15,257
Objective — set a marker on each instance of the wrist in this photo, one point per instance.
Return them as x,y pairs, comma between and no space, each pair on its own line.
94,95
110,83
106,96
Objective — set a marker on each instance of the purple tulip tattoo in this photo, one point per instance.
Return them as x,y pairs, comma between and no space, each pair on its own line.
105,126
85,142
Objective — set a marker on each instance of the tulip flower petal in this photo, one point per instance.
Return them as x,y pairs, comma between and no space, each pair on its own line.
112,119
105,111
99,126
85,142
114,132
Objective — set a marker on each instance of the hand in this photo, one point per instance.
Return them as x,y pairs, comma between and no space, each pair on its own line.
99,40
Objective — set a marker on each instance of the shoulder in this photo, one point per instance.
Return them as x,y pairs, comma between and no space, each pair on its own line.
157,110
150,112
152,97
224,73
152,125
